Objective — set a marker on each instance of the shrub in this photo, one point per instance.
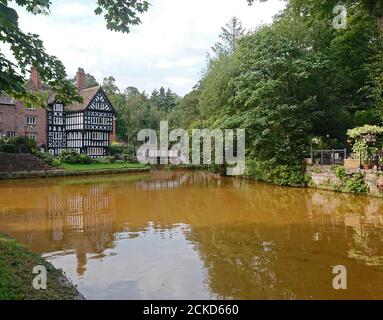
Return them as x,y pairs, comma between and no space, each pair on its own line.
284,175
340,172
56,162
116,150
105,160
122,152
84,159
24,144
9,148
356,184
70,156
45,156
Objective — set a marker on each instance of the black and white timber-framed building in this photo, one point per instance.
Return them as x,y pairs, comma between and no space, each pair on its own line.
87,127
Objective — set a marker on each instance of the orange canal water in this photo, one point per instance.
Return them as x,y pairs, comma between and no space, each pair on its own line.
193,235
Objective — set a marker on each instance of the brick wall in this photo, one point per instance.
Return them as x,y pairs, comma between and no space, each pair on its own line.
14,118
7,119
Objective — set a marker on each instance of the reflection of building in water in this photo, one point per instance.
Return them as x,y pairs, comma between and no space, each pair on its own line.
82,220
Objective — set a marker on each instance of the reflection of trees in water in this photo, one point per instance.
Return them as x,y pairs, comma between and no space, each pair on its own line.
252,237
367,246
362,215
240,263
301,254
280,262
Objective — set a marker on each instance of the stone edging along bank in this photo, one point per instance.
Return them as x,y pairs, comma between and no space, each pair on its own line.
63,173
325,177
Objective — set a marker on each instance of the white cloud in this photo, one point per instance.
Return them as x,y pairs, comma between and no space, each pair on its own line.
72,9
182,62
169,47
179,82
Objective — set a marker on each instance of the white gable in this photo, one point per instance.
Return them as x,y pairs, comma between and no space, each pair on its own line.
100,103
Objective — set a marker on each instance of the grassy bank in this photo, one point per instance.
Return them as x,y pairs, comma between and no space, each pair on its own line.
16,266
101,166
71,173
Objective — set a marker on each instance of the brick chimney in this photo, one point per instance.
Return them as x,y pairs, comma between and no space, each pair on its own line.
80,79
35,77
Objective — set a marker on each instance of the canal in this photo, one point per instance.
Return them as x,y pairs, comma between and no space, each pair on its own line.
193,235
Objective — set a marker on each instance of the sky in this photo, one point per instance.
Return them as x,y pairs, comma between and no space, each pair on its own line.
168,49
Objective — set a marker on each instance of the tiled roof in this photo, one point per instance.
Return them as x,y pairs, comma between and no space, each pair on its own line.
87,95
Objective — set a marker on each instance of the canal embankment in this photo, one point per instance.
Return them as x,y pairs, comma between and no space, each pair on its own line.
341,179
16,275
69,173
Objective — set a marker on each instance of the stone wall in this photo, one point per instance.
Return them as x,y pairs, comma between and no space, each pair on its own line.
324,177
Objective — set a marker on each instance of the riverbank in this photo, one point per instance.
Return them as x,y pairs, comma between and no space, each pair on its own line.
333,178
16,275
71,173
339,179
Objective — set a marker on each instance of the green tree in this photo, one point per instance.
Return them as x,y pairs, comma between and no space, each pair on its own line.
186,114
109,86
229,36
28,50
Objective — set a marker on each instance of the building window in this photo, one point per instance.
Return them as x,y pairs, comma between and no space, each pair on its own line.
32,136
31,120
58,121
58,107
11,134
97,136
31,106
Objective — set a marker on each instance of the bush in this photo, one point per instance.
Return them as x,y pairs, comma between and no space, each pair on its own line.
45,156
105,160
24,144
340,172
356,184
284,175
351,183
70,156
122,152
84,159
56,162
116,150
9,148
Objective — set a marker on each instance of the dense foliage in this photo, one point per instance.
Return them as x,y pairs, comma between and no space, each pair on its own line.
28,50
18,145
137,110
290,83
294,84
352,183
367,141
